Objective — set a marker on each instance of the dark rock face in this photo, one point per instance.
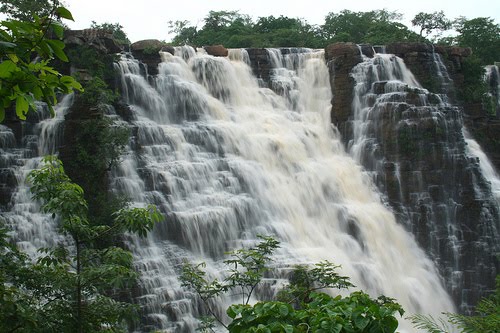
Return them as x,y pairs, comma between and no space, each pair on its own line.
421,59
341,58
147,52
412,144
261,65
99,39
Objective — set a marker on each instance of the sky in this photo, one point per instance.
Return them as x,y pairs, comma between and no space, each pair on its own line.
148,19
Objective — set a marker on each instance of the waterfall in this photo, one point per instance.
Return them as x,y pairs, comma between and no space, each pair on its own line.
29,228
492,79
226,159
488,170
410,142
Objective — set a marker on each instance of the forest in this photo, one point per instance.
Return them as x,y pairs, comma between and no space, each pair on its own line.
84,286
379,27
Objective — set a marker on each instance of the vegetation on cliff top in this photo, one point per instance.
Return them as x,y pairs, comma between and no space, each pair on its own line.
235,30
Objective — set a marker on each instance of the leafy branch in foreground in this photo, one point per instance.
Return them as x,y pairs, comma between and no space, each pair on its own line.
25,54
300,307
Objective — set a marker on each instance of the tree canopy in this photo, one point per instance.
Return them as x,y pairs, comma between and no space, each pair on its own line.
376,27
482,35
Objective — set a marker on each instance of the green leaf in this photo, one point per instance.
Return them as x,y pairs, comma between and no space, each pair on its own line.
361,320
7,68
58,29
288,328
7,45
283,309
22,107
57,46
231,313
70,82
64,13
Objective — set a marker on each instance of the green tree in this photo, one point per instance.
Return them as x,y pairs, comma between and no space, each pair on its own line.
348,26
482,35
71,288
300,307
25,10
184,33
25,54
474,89
115,29
431,22
384,32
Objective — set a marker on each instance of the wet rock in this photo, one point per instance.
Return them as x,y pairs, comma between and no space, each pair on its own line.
341,58
216,50
147,51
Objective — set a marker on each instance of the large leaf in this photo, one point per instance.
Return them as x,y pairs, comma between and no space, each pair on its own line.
58,29
7,68
7,45
64,13
22,107
57,46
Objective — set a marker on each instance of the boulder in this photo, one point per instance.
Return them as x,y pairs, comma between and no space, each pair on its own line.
342,50
216,50
147,51
147,46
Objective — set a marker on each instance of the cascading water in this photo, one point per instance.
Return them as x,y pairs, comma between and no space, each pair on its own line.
411,143
226,160
492,78
488,170
29,228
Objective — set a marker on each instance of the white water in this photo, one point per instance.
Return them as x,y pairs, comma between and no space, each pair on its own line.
488,170
228,168
385,69
31,229
492,71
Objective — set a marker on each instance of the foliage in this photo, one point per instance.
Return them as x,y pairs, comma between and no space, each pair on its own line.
474,88
97,145
97,93
300,308
25,10
431,22
375,27
25,53
384,32
95,63
70,288
236,30
357,27
115,29
482,35
323,313
305,281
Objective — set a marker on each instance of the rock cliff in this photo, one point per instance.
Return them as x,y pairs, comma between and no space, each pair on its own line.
412,143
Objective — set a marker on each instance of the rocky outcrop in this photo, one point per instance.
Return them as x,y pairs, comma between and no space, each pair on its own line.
216,50
341,58
261,65
423,61
147,51
100,40
413,145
